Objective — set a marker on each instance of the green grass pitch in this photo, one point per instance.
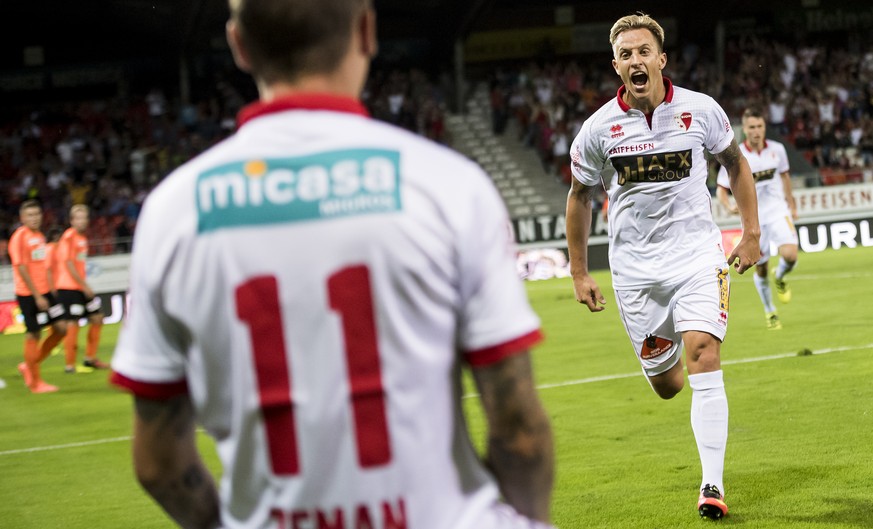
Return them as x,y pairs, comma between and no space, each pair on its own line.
799,451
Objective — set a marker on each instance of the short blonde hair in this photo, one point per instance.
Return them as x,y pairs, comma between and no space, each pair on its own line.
639,20
79,207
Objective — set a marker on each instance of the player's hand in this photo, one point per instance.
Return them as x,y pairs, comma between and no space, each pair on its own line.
732,208
41,303
746,254
588,293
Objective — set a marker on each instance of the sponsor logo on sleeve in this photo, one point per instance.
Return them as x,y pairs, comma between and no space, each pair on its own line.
307,188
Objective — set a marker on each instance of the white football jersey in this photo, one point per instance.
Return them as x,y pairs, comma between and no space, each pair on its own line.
767,168
314,283
660,210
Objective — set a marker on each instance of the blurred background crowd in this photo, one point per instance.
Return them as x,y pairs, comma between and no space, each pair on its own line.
109,150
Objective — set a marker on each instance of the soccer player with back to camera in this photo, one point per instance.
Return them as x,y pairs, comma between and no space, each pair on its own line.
312,300
669,272
776,209
33,289
76,294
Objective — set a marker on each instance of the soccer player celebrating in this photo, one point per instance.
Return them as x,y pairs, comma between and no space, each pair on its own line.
669,272
776,209
27,251
74,292
312,300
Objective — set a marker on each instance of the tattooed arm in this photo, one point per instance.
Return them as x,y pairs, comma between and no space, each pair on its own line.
520,451
743,186
168,465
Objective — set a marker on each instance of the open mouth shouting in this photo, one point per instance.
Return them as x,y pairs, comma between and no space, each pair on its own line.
639,80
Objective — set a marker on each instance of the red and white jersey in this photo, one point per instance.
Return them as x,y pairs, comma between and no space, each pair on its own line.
767,166
660,210
314,283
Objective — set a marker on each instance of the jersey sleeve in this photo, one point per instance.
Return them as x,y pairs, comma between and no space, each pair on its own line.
586,157
149,360
496,320
723,180
782,166
719,133
17,254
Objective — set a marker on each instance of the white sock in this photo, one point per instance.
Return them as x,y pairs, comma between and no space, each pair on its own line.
783,268
709,420
763,286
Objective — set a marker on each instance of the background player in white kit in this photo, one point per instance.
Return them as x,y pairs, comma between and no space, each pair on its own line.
776,209
669,272
310,301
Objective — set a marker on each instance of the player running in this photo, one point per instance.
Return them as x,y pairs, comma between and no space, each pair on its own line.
776,209
669,272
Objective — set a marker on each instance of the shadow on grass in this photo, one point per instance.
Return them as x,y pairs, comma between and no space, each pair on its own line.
846,512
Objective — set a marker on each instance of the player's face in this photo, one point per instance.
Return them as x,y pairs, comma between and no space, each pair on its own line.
755,130
79,220
32,218
638,61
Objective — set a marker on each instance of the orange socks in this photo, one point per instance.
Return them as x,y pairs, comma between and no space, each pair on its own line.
93,340
71,343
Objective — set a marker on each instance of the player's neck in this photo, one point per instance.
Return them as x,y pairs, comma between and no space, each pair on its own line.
346,81
647,104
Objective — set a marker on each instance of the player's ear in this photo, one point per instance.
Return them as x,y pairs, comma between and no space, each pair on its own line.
615,67
662,60
366,28
240,57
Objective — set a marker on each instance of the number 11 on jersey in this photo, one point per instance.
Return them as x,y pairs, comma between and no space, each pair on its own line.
350,295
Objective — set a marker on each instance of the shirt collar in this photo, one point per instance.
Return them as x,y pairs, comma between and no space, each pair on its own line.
668,98
301,101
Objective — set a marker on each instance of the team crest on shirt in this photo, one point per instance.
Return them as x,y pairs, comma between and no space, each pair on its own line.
616,131
684,121
655,346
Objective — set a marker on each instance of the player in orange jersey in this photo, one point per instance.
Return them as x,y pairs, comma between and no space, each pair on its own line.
75,292
27,251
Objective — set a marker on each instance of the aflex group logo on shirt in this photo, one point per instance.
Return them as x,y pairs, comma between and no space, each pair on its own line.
277,190
656,167
762,176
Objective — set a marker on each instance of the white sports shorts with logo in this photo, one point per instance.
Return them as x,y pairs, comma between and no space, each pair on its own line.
776,233
656,317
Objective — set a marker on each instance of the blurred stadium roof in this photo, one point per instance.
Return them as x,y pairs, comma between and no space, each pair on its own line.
97,30
89,31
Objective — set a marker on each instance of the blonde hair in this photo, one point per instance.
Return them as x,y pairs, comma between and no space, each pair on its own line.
639,20
79,207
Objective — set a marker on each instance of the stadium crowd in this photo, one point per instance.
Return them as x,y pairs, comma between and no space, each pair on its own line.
108,154
820,99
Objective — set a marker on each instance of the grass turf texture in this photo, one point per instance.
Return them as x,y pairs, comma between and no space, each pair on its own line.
798,455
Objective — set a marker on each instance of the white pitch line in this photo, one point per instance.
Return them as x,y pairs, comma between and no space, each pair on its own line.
726,362
68,445
471,395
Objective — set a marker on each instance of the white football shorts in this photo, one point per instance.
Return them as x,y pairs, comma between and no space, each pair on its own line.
780,231
656,317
